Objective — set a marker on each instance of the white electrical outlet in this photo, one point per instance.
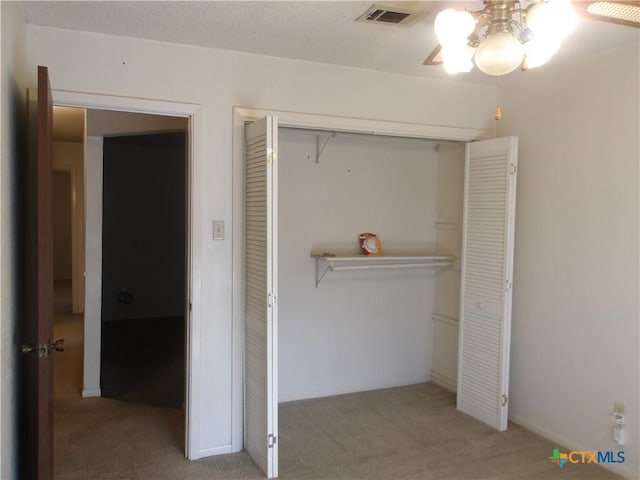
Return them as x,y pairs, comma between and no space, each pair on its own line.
619,422
619,435
218,229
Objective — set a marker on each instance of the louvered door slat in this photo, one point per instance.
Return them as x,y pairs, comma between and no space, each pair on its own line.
260,353
485,294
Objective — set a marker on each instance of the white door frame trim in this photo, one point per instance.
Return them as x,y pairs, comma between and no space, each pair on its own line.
311,121
195,162
93,266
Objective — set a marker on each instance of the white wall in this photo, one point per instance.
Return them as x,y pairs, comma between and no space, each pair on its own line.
357,330
218,80
13,114
575,303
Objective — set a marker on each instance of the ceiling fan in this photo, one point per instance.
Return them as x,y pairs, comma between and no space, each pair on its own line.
506,34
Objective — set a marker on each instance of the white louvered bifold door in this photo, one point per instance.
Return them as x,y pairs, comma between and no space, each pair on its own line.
487,266
261,325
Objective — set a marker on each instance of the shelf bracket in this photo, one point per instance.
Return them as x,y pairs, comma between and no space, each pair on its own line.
320,276
321,145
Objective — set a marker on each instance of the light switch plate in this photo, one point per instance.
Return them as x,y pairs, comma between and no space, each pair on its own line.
218,229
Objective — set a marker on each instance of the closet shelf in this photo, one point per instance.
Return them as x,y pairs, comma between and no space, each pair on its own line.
337,262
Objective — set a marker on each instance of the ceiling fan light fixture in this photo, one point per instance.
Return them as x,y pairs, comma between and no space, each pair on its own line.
504,33
499,54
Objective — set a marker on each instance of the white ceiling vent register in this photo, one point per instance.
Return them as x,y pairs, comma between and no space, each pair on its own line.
388,15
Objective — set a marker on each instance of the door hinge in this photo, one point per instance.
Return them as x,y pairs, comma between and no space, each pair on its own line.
271,157
190,306
271,440
505,399
271,300
508,285
513,168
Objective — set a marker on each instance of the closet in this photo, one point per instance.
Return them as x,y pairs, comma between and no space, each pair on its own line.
321,320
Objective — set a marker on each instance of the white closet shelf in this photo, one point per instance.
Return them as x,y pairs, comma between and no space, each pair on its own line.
336,262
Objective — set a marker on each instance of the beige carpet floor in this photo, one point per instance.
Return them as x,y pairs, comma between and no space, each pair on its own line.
410,432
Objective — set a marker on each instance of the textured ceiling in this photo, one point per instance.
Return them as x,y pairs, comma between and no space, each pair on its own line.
324,31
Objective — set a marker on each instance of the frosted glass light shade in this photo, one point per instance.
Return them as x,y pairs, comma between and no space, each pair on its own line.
453,27
539,51
457,60
550,22
565,18
538,17
499,54
551,19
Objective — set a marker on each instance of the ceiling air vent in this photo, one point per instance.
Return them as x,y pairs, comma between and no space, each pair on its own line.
388,15
627,12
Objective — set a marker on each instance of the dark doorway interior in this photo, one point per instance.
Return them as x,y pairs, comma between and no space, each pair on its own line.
143,269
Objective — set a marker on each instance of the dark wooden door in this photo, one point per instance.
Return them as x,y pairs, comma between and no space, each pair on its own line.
37,440
45,275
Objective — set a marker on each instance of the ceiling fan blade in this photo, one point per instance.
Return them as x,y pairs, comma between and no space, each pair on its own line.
621,12
435,57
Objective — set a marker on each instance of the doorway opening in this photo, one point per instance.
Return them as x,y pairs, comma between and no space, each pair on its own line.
79,413
143,268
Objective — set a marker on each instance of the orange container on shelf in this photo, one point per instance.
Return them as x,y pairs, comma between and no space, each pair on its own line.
370,244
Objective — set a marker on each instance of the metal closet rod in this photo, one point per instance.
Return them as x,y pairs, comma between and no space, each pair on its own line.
389,265
363,262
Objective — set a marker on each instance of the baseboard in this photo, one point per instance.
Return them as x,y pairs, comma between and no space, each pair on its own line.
627,470
345,389
444,381
91,392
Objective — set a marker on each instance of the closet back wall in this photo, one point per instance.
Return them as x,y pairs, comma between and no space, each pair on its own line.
364,329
